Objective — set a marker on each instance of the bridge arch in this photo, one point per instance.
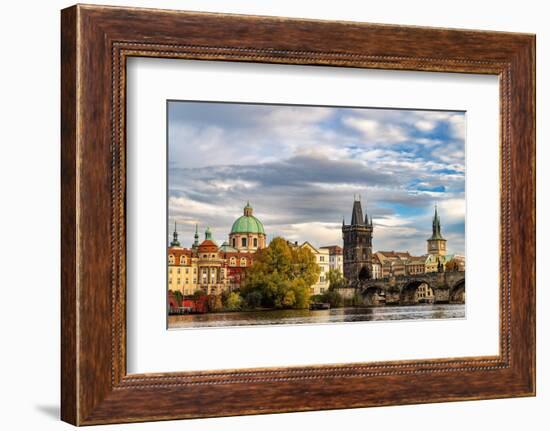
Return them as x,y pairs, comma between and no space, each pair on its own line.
417,291
374,295
457,294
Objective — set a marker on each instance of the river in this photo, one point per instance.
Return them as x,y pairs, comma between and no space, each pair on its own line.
334,315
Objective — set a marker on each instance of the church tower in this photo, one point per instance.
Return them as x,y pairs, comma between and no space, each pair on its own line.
175,242
357,245
437,245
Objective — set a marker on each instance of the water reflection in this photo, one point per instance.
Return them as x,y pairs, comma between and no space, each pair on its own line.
335,315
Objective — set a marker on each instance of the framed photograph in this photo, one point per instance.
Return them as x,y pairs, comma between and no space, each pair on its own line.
325,214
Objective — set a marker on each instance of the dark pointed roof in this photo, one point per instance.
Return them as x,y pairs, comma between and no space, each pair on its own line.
436,226
357,214
175,242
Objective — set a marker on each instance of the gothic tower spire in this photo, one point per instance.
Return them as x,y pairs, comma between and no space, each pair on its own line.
357,213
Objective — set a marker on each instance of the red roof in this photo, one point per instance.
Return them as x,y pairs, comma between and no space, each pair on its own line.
399,254
208,246
177,252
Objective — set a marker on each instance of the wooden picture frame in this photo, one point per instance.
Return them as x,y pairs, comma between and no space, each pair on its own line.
95,43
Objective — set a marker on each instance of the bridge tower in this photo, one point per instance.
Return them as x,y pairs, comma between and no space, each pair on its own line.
357,244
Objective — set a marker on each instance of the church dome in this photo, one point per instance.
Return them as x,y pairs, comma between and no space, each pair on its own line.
247,223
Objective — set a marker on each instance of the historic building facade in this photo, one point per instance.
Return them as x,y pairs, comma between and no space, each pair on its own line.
214,269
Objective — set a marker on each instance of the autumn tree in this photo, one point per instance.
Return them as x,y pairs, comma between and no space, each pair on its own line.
452,265
280,276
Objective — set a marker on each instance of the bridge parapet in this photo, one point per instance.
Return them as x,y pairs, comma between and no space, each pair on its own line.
446,287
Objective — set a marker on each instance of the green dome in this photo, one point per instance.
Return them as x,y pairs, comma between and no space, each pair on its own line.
247,224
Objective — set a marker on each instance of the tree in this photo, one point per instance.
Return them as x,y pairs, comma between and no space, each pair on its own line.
178,295
280,276
234,301
336,279
333,298
253,299
215,303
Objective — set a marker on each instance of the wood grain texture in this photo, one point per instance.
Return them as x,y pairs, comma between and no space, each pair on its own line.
96,41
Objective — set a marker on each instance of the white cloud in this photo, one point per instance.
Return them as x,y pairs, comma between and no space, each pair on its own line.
425,125
375,131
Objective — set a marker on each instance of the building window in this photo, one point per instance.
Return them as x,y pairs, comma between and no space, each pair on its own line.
182,260
186,281
322,279
322,290
232,261
179,270
234,243
321,258
169,281
213,256
243,242
187,270
170,270
178,281
255,242
243,261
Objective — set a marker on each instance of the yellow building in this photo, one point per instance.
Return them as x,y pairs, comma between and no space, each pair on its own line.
322,258
210,268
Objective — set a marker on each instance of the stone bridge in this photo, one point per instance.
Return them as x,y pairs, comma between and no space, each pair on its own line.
432,287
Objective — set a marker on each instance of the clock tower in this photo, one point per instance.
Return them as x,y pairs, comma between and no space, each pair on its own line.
437,245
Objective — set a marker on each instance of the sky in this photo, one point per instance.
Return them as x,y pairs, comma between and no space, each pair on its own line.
301,166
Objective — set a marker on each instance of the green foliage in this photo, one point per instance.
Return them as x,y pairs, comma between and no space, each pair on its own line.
333,298
280,277
336,279
355,301
178,295
233,302
253,299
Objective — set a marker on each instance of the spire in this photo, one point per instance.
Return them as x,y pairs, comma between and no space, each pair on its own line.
175,242
208,233
196,242
436,225
357,212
